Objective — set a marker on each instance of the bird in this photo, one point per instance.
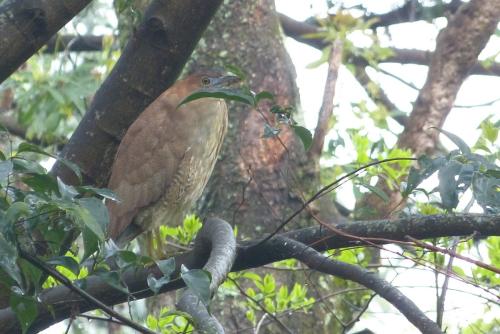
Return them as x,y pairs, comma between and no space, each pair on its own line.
165,159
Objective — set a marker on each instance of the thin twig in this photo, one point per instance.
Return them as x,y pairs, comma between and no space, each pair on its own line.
326,110
259,324
84,294
93,317
451,253
444,288
325,190
262,308
484,104
360,313
398,78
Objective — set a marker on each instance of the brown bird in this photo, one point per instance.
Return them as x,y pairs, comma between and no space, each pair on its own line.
166,157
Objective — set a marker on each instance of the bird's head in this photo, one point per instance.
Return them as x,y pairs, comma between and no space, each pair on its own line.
212,79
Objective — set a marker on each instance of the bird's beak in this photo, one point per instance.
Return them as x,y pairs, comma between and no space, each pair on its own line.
226,81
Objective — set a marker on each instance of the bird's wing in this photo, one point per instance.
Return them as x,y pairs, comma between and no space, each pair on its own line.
146,161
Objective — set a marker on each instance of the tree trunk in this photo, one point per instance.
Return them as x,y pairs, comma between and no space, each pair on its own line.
257,181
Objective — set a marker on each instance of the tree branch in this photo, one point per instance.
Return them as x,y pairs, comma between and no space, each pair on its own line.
457,48
82,293
411,12
317,261
296,30
59,303
25,26
218,237
326,111
74,43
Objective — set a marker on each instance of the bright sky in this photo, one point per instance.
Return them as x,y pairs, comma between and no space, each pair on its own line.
462,308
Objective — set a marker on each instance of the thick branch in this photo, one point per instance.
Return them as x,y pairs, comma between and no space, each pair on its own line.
25,26
317,261
151,61
74,43
296,30
59,303
413,11
218,236
457,48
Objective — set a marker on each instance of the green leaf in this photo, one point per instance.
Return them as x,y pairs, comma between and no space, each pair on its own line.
86,219
104,192
304,135
112,279
198,280
167,267
264,95
489,131
156,284
237,71
448,185
97,209
152,322
230,94
66,191
16,211
268,284
27,147
486,192
72,166
27,166
90,243
428,167
25,309
377,191
56,95
495,173
41,183
8,258
462,146
66,262
6,168
126,258
252,276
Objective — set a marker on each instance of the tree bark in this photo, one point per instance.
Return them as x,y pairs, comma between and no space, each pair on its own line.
257,180
26,25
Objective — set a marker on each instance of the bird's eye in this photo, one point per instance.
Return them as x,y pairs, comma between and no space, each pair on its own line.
205,81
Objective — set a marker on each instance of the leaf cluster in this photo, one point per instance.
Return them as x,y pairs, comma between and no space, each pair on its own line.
459,171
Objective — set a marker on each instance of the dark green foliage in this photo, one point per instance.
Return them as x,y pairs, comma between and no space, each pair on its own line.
459,171
42,216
